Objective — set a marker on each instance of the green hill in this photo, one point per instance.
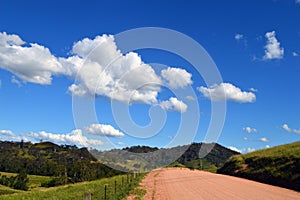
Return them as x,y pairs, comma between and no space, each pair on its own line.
68,162
207,156
278,166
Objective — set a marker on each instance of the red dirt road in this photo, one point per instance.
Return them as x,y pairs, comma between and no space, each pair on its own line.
181,184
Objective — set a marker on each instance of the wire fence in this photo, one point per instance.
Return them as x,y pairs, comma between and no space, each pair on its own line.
117,189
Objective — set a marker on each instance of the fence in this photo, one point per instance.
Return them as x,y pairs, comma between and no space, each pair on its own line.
117,189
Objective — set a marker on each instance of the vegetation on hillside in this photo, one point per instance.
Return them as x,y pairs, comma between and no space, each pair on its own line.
278,166
65,163
140,158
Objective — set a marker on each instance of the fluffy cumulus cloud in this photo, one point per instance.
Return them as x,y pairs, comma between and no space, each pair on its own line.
238,36
227,91
8,135
32,62
6,132
173,104
273,50
103,130
250,130
98,66
290,130
78,90
176,77
106,71
234,149
75,137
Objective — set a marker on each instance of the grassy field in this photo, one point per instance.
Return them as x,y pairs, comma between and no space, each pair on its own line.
278,166
80,190
7,190
34,180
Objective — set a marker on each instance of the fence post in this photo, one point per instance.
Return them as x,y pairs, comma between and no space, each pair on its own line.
88,197
105,192
115,188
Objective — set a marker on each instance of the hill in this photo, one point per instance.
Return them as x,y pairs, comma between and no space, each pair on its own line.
140,158
278,166
69,163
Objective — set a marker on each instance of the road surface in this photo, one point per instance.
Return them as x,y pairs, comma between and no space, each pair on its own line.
181,184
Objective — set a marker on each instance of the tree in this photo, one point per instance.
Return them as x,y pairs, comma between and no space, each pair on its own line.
21,182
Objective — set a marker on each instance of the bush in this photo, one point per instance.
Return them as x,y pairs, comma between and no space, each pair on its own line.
21,182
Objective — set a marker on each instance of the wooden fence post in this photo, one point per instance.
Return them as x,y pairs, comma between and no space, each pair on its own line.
88,197
105,192
115,187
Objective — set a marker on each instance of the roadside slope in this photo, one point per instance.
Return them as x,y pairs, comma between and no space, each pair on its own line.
277,166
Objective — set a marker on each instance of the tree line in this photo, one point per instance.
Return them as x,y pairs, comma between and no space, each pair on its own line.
65,163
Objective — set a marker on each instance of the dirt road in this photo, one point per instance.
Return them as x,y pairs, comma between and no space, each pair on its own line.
181,184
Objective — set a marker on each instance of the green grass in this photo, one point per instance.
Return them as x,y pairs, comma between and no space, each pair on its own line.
278,165
34,180
138,193
79,190
7,190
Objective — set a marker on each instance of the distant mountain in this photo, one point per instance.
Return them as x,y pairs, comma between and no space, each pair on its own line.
139,158
278,166
48,159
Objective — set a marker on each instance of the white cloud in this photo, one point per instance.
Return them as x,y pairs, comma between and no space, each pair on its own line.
286,127
7,39
8,135
234,149
245,138
75,137
297,1
295,54
253,90
32,63
6,132
107,72
103,130
250,130
272,48
248,150
121,144
238,36
78,90
190,98
15,81
176,77
267,146
263,139
227,91
173,104
98,66
290,130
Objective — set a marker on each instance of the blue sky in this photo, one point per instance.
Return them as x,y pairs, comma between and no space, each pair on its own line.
254,44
